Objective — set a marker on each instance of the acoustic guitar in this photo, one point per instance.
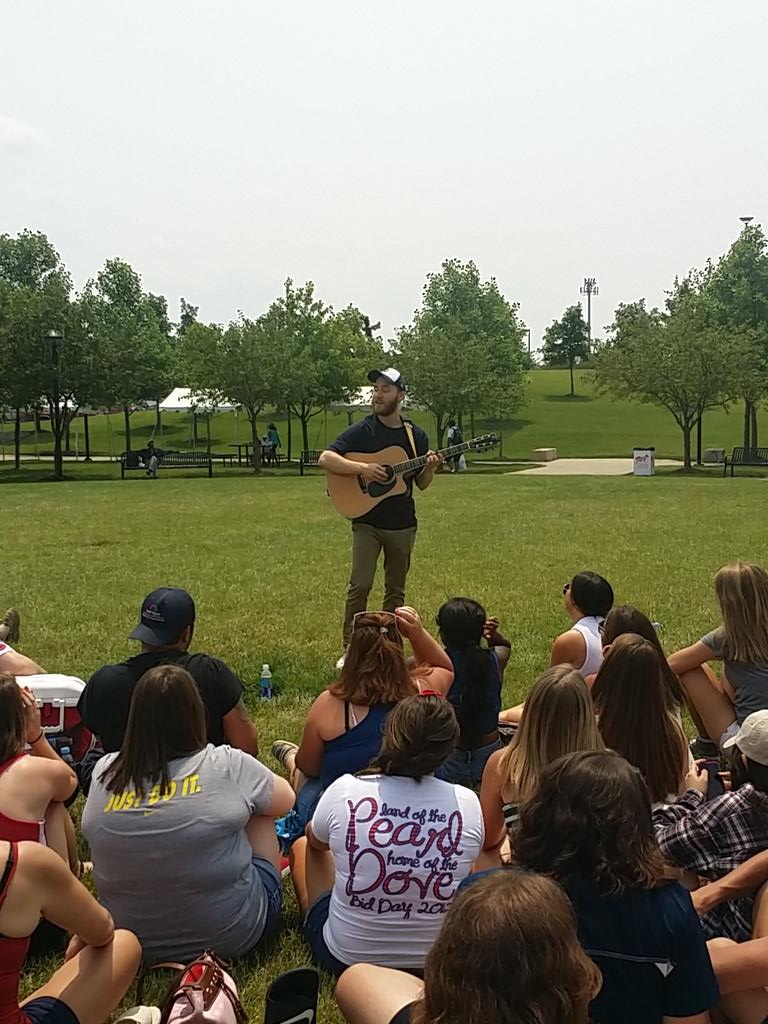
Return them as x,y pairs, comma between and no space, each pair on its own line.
354,496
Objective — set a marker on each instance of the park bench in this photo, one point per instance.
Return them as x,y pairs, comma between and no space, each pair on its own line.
308,458
169,460
746,457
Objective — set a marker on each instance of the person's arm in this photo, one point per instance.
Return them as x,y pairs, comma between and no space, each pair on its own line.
61,777
426,650
501,646
313,841
332,462
691,657
491,802
16,664
282,800
240,731
691,841
427,475
63,900
309,756
569,649
743,880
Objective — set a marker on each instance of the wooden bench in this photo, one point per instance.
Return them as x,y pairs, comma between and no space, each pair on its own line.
308,458
745,457
168,460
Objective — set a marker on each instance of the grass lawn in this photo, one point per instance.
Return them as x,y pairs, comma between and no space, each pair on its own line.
583,425
267,561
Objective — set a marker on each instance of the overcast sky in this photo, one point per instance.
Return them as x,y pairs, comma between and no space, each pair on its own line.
222,146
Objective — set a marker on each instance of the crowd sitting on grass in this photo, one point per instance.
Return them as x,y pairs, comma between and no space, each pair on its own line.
571,859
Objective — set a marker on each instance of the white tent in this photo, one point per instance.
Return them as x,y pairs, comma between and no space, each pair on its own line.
182,400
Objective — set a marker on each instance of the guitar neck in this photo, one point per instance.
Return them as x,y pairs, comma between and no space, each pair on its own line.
413,464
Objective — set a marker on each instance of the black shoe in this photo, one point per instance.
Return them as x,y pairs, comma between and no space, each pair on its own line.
704,749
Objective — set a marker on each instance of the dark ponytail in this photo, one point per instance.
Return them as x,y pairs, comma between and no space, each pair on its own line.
461,622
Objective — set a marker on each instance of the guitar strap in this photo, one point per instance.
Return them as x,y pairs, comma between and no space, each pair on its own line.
409,431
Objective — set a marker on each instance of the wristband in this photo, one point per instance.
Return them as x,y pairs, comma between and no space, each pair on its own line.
33,742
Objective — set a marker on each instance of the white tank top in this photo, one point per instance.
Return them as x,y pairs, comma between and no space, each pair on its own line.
589,627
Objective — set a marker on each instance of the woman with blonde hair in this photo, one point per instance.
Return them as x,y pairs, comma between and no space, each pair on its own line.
632,701
507,952
558,718
741,643
343,728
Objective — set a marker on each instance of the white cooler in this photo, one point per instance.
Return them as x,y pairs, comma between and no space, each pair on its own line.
644,461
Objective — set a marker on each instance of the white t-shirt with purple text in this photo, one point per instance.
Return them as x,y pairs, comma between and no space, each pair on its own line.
400,849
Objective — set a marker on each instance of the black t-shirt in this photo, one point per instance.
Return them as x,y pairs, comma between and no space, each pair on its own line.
371,435
104,703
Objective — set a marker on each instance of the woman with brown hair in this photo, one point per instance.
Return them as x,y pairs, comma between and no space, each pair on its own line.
625,618
589,828
558,718
182,833
34,783
631,698
507,953
343,728
387,849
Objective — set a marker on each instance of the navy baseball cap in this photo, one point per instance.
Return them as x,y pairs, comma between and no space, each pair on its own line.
165,614
391,374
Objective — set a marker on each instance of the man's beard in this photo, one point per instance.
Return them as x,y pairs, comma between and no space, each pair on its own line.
387,409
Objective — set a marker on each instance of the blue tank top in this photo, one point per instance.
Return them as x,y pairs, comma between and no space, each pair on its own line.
355,748
488,715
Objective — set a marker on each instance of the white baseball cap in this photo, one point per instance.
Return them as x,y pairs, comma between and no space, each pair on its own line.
752,738
391,374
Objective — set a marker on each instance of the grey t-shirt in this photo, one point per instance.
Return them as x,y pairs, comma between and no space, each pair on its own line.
176,869
749,681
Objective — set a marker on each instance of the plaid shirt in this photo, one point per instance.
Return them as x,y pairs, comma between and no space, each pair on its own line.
711,839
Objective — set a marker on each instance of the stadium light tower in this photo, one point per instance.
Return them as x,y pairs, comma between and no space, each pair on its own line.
589,288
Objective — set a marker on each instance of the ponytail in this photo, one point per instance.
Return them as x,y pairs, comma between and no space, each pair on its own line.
477,671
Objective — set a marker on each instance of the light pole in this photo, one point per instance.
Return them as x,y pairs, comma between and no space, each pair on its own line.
589,288
54,337
746,221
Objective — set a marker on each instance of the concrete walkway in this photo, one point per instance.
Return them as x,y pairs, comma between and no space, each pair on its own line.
587,467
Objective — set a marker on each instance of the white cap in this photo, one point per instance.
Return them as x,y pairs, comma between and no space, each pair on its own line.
391,374
752,738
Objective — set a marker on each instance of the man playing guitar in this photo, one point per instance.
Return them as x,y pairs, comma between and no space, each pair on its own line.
391,524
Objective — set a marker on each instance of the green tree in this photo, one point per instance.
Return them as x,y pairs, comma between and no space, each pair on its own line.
35,298
676,360
463,352
737,290
566,341
321,355
132,331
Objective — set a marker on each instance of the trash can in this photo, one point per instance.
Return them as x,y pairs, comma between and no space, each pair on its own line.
644,461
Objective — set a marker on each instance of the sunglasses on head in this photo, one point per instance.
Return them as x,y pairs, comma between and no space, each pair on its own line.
390,625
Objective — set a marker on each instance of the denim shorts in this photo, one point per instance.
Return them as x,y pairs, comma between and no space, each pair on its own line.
465,767
273,887
729,733
314,923
47,1010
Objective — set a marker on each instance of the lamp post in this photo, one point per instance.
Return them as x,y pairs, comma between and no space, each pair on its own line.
746,221
589,288
55,337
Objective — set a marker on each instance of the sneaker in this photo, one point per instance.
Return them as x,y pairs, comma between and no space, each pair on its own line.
282,750
10,626
342,659
701,748
141,1015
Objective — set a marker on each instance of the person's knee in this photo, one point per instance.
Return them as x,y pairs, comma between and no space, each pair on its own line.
351,986
719,944
127,945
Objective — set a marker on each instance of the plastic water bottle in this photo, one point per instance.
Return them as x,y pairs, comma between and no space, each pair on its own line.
265,683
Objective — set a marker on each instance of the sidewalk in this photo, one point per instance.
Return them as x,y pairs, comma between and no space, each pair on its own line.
587,467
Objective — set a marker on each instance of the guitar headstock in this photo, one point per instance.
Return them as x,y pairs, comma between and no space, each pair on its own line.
483,443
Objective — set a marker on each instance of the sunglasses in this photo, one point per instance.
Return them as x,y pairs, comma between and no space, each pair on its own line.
391,624
566,588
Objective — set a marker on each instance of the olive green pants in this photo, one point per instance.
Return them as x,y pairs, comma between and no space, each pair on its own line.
367,544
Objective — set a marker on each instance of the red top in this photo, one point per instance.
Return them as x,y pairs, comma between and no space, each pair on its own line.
19,830
12,954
